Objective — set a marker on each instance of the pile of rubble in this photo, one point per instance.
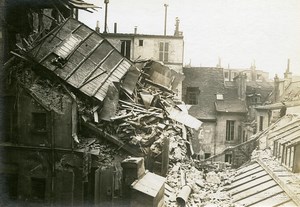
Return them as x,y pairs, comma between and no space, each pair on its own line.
206,188
145,117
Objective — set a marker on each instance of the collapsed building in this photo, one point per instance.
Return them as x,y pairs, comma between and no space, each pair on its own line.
74,109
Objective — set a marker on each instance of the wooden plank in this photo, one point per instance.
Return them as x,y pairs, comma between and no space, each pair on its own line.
274,200
249,178
261,196
251,191
248,173
236,189
81,73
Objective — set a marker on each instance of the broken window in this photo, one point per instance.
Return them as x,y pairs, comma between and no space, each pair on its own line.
65,49
192,94
228,158
261,121
229,130
164,51
39,122
125,48
141,42
38,187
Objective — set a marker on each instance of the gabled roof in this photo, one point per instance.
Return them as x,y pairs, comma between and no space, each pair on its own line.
81,57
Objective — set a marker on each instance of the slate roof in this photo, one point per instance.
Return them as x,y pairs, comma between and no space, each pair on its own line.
292,92
210,81
231,103
81,57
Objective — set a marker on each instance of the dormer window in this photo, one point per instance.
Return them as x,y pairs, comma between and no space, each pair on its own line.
192,95
219,96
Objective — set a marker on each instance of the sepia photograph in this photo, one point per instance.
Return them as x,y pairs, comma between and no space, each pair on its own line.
139,103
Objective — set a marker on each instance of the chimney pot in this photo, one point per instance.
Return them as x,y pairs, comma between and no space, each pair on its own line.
115,27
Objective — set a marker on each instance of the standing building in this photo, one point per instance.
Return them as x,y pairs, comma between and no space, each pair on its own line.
252,73
224,107
168,49
285,98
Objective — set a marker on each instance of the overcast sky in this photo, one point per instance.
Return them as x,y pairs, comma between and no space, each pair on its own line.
238,31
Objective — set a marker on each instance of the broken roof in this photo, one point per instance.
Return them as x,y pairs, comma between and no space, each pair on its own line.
81,57
79,4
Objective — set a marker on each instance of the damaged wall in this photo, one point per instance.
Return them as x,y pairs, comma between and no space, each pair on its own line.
37,125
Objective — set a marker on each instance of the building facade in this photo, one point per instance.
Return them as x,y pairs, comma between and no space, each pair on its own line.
225,108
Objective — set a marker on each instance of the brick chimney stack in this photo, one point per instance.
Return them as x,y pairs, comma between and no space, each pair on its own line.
276,88
241,83
288,74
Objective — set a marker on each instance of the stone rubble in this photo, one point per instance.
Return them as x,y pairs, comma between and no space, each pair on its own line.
208,188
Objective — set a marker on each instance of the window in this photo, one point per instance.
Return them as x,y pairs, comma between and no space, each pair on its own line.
164,51
258,76
68,46
226,75
125,48
219,96
261,121
228,158
239,132
141,42
255,99
9,185
39,122
229,130
206,155
192,94
38,187
244,136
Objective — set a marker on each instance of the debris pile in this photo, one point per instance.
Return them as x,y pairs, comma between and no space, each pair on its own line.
207,188
145,113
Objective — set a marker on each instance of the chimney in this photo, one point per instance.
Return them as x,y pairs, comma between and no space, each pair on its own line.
176,33
288,74
241,83
219,65
115,27
253,71
97,27
276,88
135,30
